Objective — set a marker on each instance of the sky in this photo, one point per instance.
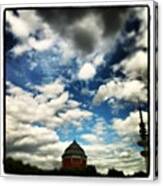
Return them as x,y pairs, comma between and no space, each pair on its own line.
76,73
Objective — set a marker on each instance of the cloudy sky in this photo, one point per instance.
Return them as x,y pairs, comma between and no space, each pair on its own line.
76,73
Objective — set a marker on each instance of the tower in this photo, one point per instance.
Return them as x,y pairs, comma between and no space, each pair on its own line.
74,157
143,139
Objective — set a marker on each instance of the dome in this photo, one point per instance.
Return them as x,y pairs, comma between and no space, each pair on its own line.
74,149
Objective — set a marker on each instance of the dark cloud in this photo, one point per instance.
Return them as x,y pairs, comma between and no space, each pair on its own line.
84,40
63,20
29,148
113,19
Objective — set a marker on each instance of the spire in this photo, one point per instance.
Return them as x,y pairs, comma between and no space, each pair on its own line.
143,137
141,124
140,114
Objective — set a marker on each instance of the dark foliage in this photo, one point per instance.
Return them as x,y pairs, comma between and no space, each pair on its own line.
115,173
12,166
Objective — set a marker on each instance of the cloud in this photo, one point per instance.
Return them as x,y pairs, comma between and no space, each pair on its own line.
129,127
33,119
43,153
142,36
66,49
85,27
20,49
40,45
91,138
40,145
29,29
100,127
73,104
19,27
52,89
86,72
140,32
31,122
75,114
116,155
130,90
98,131
23,143
103,156
87,92
53,111
26,135
134,66
98,60
84,40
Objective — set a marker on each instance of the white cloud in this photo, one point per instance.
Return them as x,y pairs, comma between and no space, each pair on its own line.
73,104
135,66
19,26
91,138
31,122
23,143
103,156
87,71
40,45
99,128
45,156
127,90
20,49
116,155
66,49
57,111
22,136
129,126
52,89
40,146
24,27
75,114
48,162
134,86
98,60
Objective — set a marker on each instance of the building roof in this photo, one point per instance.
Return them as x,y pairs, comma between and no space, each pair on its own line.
74,149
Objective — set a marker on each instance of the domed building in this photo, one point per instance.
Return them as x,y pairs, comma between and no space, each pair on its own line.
74,157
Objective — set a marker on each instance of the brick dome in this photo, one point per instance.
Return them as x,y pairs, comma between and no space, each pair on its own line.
74,157
74,149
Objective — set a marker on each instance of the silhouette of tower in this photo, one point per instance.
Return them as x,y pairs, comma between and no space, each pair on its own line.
143,142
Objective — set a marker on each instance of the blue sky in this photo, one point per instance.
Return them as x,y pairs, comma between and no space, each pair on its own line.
76,77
